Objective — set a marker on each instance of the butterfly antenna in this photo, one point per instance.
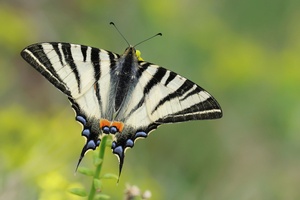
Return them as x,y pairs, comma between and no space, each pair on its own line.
158,34
111,23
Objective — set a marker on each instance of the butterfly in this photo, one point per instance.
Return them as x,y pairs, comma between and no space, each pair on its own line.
120,95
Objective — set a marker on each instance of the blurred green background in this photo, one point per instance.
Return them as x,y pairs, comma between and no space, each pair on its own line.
246,53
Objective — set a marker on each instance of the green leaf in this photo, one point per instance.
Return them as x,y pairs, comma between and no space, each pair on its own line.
97,184
97,161
110,176
85,171
102,196
78,191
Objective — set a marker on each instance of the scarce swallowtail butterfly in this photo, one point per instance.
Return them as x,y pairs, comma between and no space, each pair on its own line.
120,95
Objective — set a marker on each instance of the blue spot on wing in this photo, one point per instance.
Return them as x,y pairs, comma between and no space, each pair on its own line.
86,133
140,134
105,129
91,145
129,143
119,151
113,130
81,119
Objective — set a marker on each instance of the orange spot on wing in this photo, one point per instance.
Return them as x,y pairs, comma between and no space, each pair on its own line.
104,122
118,125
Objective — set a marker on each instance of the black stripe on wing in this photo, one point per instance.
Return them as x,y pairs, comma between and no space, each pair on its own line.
96,63
157,77
84,51
66,48
56,49
170,78
186,86
95,59
209,110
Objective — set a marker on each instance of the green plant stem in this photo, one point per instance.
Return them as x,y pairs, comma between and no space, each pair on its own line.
98,168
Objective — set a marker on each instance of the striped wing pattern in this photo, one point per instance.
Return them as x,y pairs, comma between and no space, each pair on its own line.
120,95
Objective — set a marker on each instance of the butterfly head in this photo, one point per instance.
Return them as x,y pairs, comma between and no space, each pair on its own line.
131,51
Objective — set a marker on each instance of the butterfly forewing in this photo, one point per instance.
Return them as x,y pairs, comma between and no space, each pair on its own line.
169,98
119,95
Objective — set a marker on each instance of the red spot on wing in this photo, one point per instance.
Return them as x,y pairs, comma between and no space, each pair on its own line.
104,122
118,125
107,123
